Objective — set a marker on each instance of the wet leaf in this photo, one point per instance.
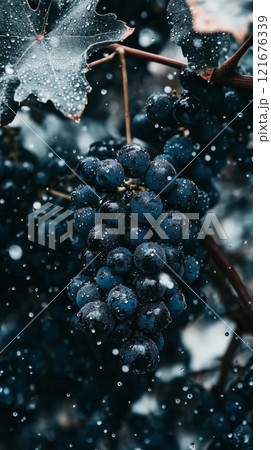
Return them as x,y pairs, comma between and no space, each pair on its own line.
52,65
202,50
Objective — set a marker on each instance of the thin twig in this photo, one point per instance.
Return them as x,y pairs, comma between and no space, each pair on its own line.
121,53
59,194
225,265
148,56
102,60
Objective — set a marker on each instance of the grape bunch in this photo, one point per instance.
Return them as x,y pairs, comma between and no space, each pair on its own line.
133,287
217,121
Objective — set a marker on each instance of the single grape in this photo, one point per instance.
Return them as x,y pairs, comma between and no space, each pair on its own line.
160,176
106,279
120,260
84,219
109,174
191,269
122,301
99,237
134,159
149,288
153,317
83,196
180,150
87,293
159,109
174,255
140,354
184,195
159,341
146,202
186,109
86,169
149,257
74,286
174,226
96,317
176,304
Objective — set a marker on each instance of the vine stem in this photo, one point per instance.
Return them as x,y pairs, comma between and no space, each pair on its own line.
225,265
121,53
226,72
224,75
59,194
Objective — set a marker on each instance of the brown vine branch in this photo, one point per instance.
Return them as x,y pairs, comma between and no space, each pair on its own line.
226,74
59,194
148,56
225,265
102,60
222,75
121,53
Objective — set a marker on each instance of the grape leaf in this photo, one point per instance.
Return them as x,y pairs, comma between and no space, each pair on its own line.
203,50
232,16
52,64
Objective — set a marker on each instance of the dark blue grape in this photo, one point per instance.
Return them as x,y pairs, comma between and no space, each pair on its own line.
153,317
101,150
134,159
149,288
88,259
160,176
180,150
191,269
96,318
106,279
113,206
140,354
135,235
176,304
122,301
203,203
184,195
159,109
120,260
146,202
99,237
144,128
83,196
149,257
174,256
84,219
159,341
86,294
186,109
110,174
75,285
86,169
174,226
